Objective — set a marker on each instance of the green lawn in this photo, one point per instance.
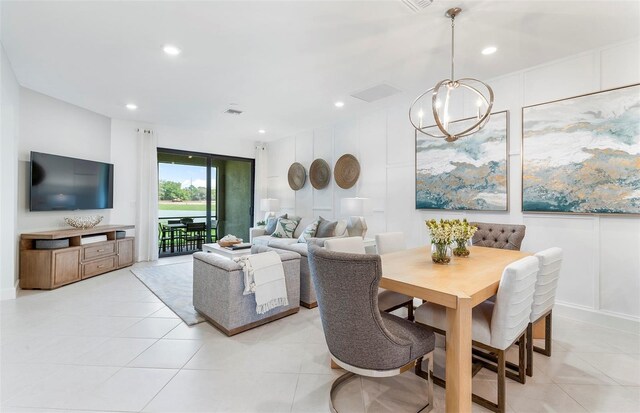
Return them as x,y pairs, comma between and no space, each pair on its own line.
185,207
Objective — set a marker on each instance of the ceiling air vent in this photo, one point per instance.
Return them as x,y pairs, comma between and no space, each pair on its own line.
416,6
377,92
233,111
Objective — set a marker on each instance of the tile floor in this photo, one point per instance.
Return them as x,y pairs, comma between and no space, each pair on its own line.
108,344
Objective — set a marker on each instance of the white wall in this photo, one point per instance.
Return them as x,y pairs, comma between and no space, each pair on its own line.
202,141
601,274
52,126
9,108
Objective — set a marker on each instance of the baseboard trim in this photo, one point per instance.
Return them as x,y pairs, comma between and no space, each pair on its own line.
9,293
601,318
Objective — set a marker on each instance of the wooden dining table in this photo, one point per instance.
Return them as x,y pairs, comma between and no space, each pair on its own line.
459,286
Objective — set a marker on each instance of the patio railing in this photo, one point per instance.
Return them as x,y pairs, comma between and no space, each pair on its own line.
185,235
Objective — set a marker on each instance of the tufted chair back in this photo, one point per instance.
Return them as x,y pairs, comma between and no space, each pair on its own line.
512,308
503,236
547,283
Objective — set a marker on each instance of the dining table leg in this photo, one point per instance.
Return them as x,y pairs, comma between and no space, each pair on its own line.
172,239
458,363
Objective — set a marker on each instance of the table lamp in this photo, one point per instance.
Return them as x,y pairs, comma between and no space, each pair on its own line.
355,209
269,206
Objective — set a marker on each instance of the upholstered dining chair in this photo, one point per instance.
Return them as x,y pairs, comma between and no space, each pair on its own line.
388,301
386,243
496,325
550,261
503,236
361,339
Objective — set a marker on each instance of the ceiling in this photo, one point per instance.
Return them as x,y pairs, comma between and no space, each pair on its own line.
284,63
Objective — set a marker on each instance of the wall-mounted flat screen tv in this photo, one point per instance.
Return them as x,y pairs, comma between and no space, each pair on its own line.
60,183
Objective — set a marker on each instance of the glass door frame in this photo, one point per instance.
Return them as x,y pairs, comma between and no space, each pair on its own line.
210,158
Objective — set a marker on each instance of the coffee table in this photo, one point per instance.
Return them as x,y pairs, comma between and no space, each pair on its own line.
225,252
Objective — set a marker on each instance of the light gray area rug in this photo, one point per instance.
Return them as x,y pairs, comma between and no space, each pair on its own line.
173,285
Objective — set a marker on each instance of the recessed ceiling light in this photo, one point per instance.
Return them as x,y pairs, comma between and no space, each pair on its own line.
171,50
338,104
262,131
132,106
489,50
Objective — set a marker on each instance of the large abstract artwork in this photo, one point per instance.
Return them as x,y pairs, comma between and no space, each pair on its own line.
582,154
468,174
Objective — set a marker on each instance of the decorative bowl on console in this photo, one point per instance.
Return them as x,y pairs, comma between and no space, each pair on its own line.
85,222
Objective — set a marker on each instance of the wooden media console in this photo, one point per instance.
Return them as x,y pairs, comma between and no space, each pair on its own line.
52,268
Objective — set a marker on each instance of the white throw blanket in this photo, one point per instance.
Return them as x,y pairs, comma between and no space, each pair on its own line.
264,277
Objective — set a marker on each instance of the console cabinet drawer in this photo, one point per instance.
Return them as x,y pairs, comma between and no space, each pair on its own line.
98,250
96,267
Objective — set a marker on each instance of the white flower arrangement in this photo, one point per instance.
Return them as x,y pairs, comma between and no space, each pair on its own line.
441,231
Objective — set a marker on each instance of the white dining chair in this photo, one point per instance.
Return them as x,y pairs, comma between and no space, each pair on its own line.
550,261
388,301
353,245
389,242
495,325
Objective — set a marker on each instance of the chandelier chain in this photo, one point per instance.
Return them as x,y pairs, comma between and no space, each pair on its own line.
453,28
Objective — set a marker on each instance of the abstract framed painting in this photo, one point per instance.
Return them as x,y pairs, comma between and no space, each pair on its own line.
471,173
581,155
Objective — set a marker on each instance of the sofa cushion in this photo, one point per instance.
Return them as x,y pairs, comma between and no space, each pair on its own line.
274,242
326,228
304,222
308,232
285,228
298,247
271,224
341,229
262,240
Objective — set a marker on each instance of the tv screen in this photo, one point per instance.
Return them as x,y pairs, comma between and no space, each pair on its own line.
59,183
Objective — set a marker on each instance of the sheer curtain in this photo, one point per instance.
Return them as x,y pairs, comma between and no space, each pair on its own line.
147,216
261,180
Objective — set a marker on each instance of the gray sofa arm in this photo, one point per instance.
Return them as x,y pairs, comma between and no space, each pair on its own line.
217,261
256,232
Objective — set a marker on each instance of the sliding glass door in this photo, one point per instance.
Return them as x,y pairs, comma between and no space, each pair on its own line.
201,198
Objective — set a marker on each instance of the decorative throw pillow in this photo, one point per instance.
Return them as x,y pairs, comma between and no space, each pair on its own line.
326,228
271,224
308,232
284,228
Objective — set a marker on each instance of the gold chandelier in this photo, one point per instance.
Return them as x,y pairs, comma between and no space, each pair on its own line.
442,110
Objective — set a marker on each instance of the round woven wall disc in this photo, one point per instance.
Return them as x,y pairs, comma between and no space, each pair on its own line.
319,173
297,176
347,171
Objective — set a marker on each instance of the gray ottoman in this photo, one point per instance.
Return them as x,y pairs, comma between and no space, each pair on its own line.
218,283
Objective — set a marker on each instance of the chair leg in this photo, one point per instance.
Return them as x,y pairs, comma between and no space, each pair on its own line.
547,337
428,375
334,387
501,405
501,382
522,358
418,371
410,309
529,341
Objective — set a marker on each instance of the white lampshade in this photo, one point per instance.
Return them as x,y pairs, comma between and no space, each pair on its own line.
269,205
354,206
